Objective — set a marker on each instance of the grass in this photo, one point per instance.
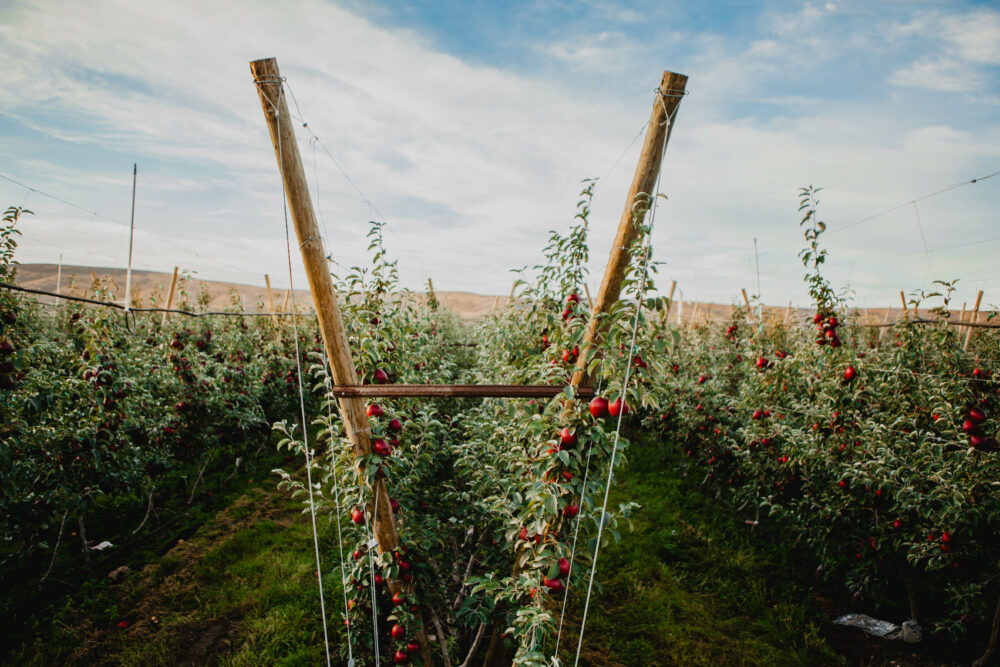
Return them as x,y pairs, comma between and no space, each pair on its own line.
240,591
690,585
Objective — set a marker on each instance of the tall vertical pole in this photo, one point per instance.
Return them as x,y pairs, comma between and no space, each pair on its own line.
131,238
331,324
669,95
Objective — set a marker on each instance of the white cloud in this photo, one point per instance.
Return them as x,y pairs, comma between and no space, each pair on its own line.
965,43
939,74
471,164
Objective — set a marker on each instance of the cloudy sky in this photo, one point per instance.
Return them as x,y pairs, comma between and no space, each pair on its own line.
468,128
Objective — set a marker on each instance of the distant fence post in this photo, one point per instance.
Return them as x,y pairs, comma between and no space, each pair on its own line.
974,318
170,297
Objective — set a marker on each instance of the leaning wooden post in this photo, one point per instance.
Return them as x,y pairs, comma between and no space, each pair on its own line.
974,317
658,133
331,324
902,298
284,304
170,297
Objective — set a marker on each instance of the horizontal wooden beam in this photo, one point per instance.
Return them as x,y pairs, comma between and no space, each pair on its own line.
456,390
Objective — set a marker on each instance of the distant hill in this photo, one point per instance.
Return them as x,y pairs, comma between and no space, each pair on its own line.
149,285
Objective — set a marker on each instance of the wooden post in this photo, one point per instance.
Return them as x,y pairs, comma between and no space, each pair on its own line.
170,297
270,308
643,182
657,134
590,301
352,410
284,304
670,301
432,300
496,302
902,298
974,317
746,302
961,318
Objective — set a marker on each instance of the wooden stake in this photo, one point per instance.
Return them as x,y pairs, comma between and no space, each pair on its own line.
643,182
331,324
658,133
270,300
974,317
284,304
670,301
902,298
496,302
590,302
170,297
746,302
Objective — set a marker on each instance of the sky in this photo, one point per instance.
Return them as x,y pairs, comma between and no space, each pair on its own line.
468,127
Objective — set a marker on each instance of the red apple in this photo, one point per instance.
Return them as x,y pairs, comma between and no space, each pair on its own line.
381,447
395,425
977,415
567,438
554,585
599,407
398,631
618,407
381,377
394,504
358,515
563,568
374,410
413,648
399,598
850,373
401,657
571,510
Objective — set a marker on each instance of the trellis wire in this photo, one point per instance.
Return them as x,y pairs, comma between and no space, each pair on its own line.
338,509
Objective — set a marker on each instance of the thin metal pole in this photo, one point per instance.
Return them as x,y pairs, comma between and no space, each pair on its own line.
58,278
131,237
756,260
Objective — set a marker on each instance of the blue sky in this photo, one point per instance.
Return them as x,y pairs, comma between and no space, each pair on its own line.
468,127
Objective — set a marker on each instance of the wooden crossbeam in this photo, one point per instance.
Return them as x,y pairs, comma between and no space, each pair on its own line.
455,391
